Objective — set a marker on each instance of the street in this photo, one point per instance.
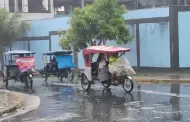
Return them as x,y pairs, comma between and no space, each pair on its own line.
68,103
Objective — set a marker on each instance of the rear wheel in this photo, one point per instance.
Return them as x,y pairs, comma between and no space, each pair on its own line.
85,83
127,85
5,81
106,84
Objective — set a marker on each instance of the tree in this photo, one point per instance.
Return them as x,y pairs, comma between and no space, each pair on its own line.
102,20
11,28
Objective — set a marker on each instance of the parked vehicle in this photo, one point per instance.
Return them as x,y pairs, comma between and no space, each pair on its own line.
60,65
18,65
96,71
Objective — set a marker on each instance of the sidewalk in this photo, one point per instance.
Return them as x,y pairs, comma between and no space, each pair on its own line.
9,102
16,103
163,77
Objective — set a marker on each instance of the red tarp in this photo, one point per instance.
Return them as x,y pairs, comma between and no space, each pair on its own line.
105,49
25,63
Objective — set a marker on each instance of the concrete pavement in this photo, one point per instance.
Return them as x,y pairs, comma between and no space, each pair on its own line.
9,101
15,103
162,77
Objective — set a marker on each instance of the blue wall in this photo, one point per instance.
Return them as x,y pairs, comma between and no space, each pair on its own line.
154,45
132,55
184,39
39,47
55,43
42,28
147,13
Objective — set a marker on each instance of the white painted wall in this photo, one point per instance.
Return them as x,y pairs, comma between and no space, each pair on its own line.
36,16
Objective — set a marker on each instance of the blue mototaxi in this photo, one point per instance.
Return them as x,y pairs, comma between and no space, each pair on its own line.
58,64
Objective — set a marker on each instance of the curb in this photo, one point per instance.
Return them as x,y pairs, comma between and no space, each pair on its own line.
144,80
29,103
17,105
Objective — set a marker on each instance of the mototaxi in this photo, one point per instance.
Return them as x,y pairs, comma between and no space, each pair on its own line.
18,65
60,65
93,73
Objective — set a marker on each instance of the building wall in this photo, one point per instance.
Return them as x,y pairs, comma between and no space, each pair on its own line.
39,47
147,13
184,36
154,45
26,15
151,35
43,27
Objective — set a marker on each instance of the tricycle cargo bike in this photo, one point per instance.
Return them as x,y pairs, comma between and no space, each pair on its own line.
111,67
18,65
60,65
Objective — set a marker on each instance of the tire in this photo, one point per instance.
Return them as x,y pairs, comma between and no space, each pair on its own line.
70,76
83,80
44,77
60,78
127,80
106,85
29,82
5,82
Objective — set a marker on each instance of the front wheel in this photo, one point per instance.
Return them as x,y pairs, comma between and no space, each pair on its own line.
127,84
44,77
70,75
85,83
106,84
60,77
29,81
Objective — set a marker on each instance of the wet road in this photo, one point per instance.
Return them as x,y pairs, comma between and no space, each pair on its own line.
148,102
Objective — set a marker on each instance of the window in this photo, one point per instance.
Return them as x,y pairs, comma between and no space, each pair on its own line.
19,5
181,2
187,2
38,6
86,58
95,57
173,2
152,3
130,4
11,6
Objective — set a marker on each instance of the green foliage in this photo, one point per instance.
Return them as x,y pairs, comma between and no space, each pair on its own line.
11,28
102,20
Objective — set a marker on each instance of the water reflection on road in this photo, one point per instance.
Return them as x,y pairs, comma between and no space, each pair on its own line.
148,102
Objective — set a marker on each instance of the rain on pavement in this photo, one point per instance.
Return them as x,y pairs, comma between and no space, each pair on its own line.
147,102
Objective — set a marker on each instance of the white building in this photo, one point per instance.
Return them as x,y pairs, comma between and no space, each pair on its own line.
31,9
43,9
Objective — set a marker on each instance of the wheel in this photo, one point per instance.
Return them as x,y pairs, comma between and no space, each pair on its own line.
5,81
106,84
127,85
29,82
70,75
85,83
60,78
44,77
